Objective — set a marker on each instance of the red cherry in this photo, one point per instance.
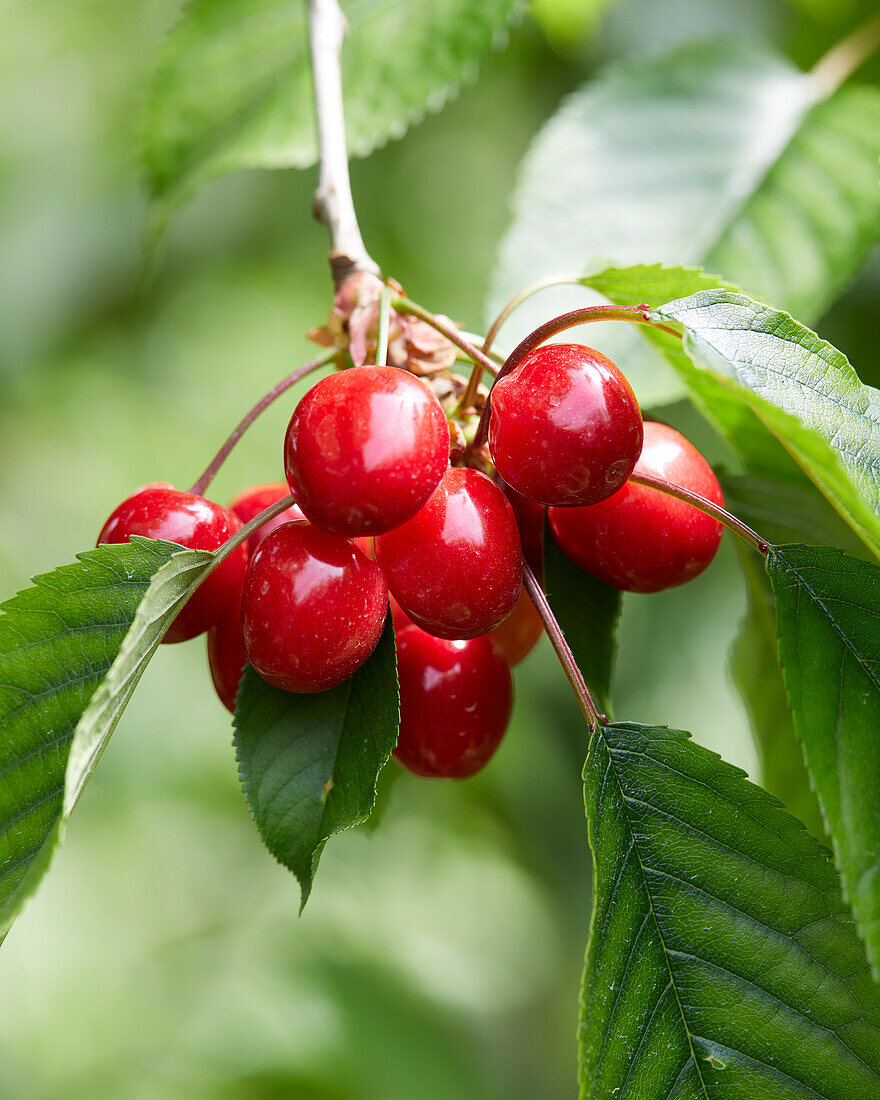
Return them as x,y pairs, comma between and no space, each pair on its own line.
520,632
455,701
565,427
398,615
642,540
530,521
313,608
364,450
226,655
248,504
161,512
456,567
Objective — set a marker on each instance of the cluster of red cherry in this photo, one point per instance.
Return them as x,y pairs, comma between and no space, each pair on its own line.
381,517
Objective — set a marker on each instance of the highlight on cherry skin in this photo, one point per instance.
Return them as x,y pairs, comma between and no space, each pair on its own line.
642,540
312,610
455,702
159,511
456,567
565,427
365,449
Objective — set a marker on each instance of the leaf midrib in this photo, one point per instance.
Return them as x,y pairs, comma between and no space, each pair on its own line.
831,618
623,798
704,336
736,212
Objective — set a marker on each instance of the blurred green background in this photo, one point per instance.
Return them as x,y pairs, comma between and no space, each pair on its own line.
440,954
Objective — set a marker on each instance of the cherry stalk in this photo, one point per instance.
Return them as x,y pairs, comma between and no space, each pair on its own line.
561,647
740,529
210,471
637,315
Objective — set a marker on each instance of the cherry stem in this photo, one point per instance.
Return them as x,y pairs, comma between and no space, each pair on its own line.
496,356
404,305
636,315
522,296
220,457
385,296
561,646
471,389
740,529
842,60
476,376
244,533
333,204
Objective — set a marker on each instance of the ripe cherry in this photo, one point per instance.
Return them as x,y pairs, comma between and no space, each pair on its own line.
159,511
565,426
520,632
530,521
364,450
226,655
455,701
642,540
313,608
456,567
248,504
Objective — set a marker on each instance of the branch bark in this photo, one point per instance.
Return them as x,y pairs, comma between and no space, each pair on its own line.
333,204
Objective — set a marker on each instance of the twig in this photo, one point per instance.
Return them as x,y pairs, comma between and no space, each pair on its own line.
210,471
842,60
333,203
733,524
561,646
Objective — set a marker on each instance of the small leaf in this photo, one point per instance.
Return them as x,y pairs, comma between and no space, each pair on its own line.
587,610
828,621
233,85
652,283
799,386
72,650
721,963
309,763
714,153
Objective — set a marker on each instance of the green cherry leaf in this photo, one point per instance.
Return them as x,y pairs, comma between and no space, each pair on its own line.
772,370
828,623
722,964
72,650
309,764
233,89
715,154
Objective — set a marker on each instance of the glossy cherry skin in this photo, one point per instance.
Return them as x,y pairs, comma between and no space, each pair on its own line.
248,504
159,511
313,608
364,450
520,632
642,540
456,567
226,655
455,701
565,426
